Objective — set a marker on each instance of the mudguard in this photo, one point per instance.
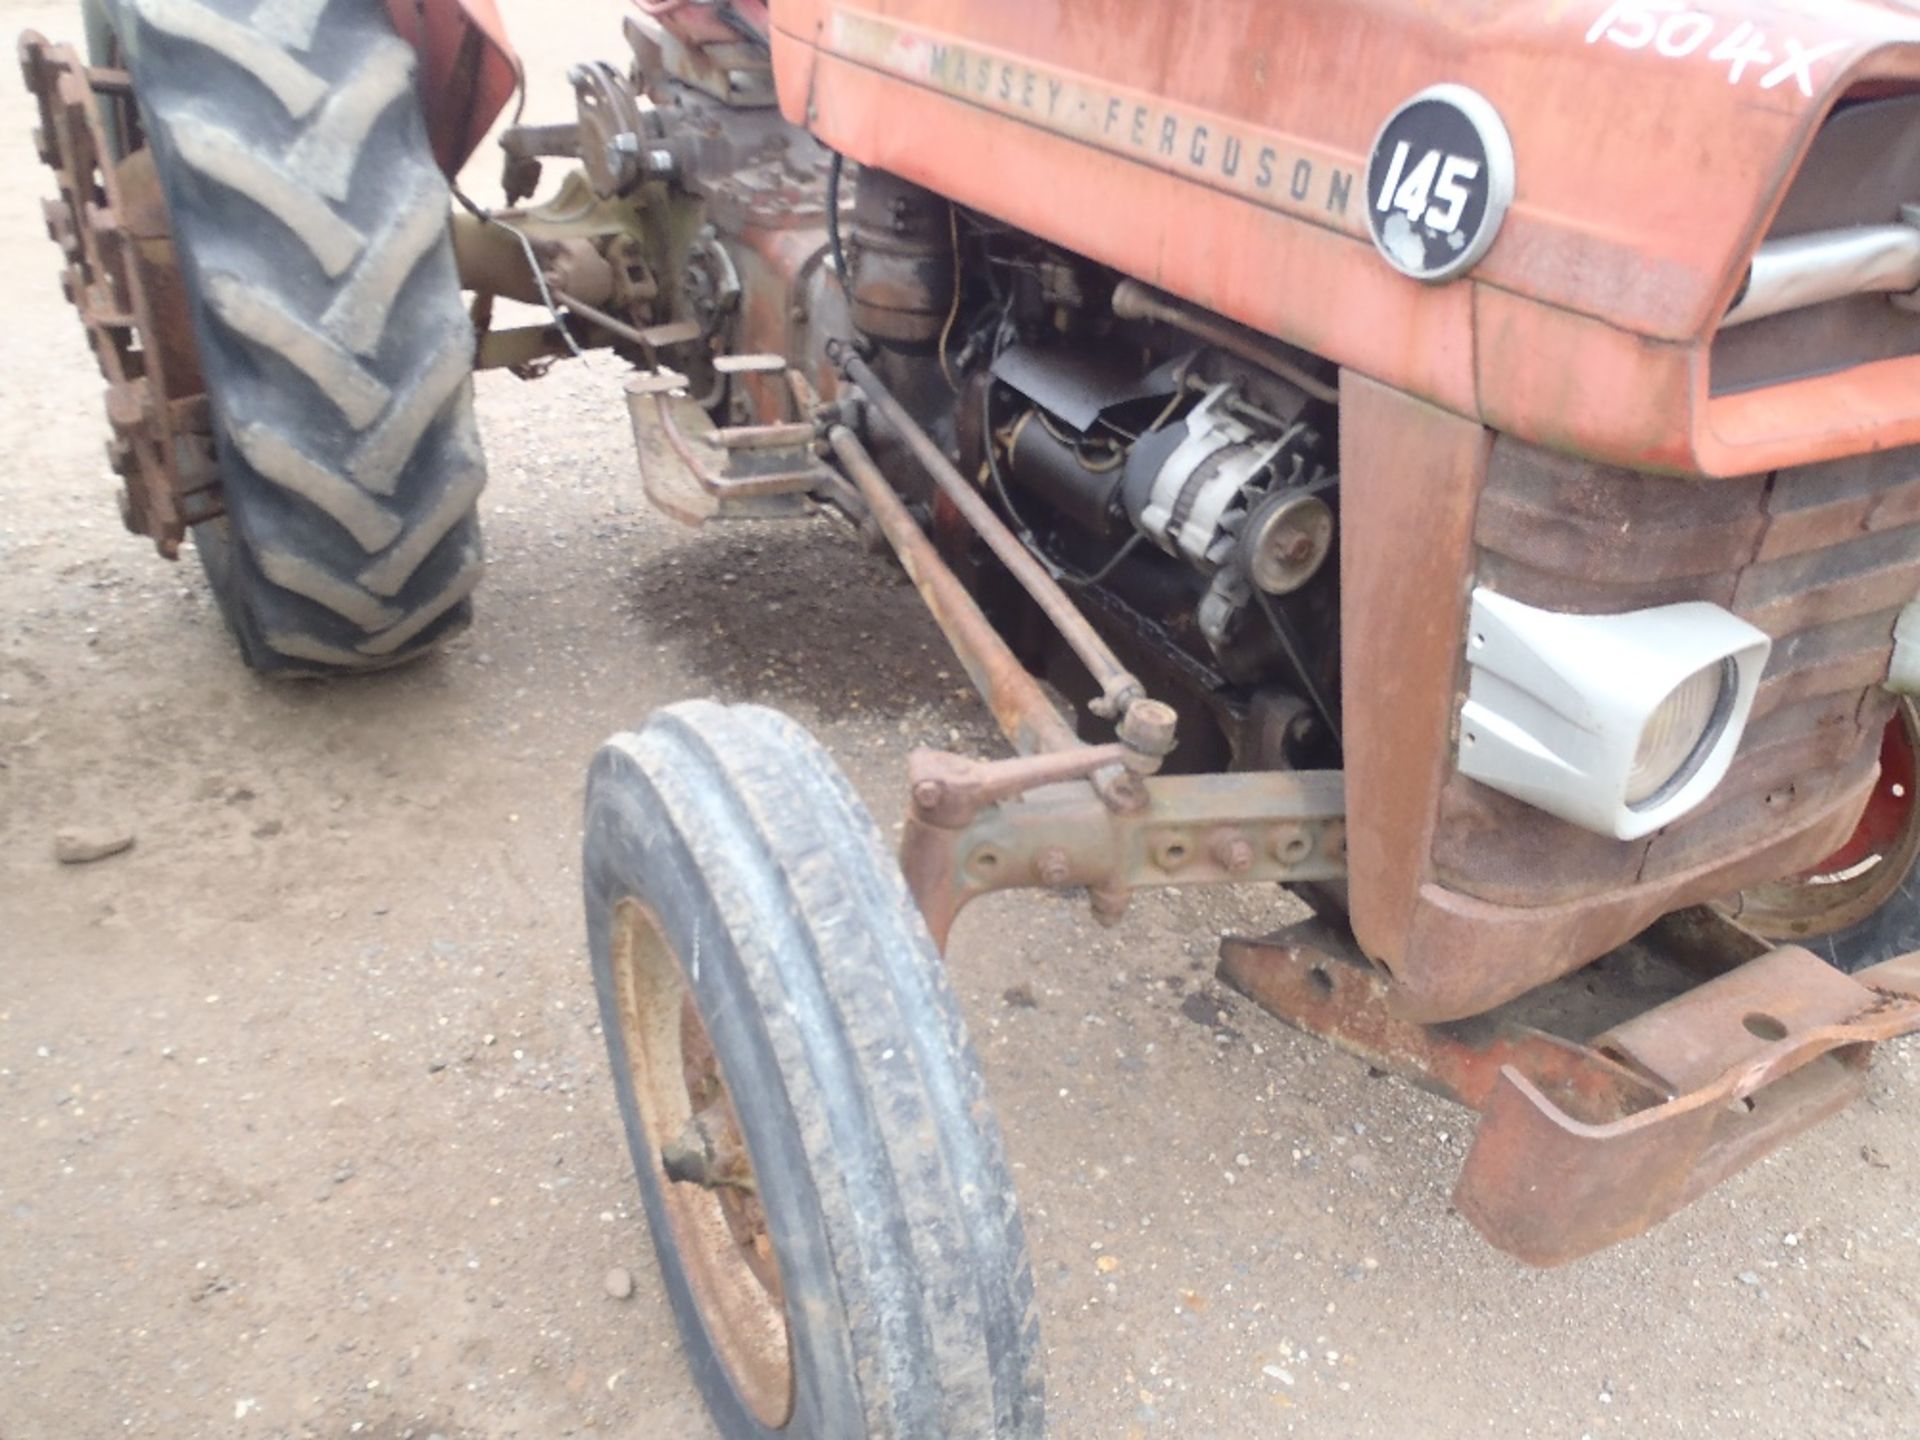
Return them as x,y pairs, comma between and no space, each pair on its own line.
468,70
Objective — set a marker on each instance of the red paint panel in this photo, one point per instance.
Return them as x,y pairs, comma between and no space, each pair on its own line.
1650,159
468,70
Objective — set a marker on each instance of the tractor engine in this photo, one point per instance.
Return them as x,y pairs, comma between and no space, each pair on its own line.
1177,473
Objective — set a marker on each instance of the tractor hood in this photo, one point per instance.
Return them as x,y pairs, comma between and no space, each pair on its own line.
1654,142
1220,151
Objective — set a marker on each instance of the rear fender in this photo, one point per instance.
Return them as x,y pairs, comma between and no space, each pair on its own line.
468,70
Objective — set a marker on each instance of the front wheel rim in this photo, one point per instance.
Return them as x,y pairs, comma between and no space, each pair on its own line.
701,1169
1865,873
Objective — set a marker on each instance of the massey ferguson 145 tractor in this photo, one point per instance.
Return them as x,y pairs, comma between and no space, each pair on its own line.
1461,461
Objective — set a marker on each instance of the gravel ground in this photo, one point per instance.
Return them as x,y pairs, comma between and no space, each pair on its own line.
304,1123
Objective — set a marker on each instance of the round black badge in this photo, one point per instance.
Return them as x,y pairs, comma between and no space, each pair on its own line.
1439,181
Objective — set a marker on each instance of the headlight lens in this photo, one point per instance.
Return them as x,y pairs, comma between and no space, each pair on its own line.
1677,734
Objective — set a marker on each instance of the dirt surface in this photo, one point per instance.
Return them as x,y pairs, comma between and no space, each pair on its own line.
304,1125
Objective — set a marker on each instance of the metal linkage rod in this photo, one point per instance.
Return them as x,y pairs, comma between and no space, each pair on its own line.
1020,707
1120,690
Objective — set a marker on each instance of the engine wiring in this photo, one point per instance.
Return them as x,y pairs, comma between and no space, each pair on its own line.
953,310
1115,457
836,174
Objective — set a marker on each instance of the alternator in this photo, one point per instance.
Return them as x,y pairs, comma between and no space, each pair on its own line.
1225,468
1199,496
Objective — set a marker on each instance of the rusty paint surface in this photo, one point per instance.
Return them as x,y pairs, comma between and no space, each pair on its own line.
789,304
1411,479
1472,898
1753,1058
1822,559
468,71
1311,976
1869,871
1549,1189
1582,1145
695,472
1609,274
1690,1041
1464,956
1274,826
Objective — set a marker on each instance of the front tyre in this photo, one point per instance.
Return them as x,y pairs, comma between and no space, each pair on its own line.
826,1189
310,222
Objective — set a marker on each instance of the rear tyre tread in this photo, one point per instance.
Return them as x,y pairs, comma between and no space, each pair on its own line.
311,223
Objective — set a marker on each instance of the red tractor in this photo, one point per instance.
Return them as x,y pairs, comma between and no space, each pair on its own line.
1459,462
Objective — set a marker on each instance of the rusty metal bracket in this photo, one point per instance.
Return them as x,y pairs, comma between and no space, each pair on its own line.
1752,1058
1275,826
110,222
1581,1145
1311,976
743,472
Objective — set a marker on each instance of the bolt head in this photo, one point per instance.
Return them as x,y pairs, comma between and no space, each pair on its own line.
1233,854
1053,866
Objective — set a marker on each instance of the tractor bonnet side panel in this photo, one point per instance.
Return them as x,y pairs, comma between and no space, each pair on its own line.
1219,153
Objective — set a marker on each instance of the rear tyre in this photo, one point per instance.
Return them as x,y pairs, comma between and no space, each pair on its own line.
826,1189
310,223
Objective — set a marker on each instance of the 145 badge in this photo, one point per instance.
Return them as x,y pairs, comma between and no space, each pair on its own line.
1439,180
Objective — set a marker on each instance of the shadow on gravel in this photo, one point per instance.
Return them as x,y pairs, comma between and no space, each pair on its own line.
797,614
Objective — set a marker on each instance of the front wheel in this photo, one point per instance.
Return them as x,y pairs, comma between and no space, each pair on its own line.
1858,906
827,1192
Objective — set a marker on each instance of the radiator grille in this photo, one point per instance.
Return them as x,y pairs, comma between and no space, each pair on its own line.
1822,558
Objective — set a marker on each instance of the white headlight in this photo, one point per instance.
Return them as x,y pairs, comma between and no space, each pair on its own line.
1675,732
1619,723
